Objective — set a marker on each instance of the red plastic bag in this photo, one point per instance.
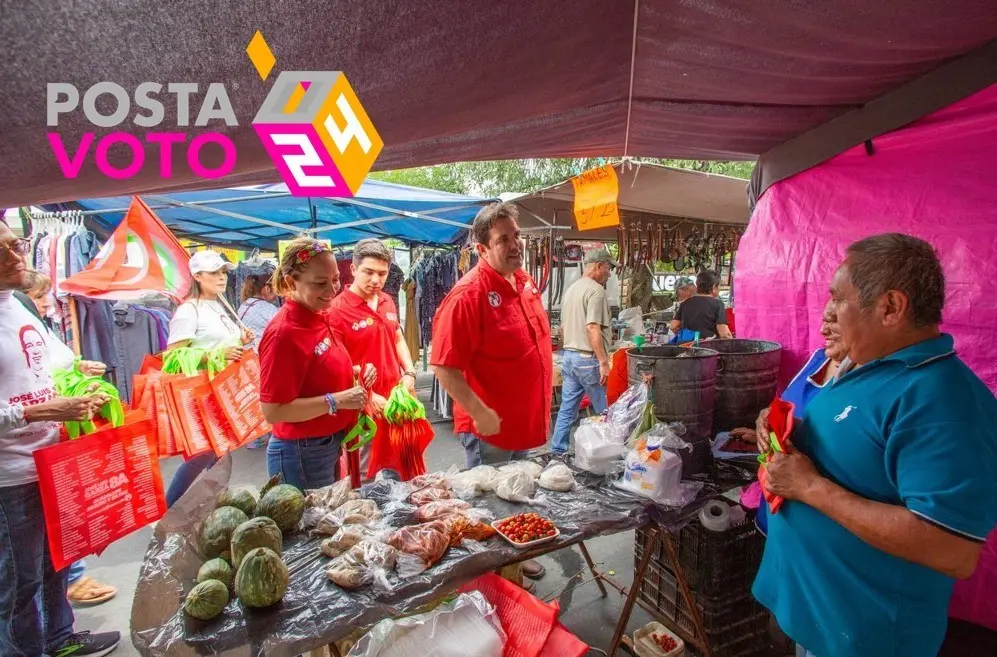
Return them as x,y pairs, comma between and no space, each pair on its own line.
153,403
185,417
99,488
781,423
237,389
216,425
531,626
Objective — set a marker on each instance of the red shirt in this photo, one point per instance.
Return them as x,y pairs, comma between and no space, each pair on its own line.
499,337
302,356
369,336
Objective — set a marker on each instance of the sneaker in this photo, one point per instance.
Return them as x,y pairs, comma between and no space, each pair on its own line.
87,644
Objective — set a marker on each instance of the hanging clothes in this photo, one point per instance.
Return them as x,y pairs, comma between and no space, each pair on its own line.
435,274
411,321
393,284
137,334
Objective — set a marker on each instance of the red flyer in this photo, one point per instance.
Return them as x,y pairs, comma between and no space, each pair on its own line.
237,389
99,488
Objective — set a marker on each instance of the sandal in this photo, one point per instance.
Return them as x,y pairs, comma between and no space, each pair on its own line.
86,591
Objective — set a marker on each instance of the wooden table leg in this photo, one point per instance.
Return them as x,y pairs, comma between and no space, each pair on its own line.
650,546
592,568
697,619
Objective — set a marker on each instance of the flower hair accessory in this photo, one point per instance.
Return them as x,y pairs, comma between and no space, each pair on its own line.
306,254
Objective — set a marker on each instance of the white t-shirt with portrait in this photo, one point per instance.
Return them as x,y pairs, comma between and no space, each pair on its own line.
28,355
205,324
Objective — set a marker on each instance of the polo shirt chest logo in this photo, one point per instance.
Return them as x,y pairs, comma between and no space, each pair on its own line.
392,317
323,346
363,323
494,299
843,415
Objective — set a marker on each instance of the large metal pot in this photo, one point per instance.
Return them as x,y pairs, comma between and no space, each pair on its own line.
747,379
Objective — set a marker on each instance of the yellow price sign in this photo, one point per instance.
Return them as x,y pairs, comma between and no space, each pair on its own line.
596,194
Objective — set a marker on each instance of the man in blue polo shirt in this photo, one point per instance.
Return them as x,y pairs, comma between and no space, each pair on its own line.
892,486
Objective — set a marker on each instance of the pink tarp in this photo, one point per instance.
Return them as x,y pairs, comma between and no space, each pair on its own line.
936,179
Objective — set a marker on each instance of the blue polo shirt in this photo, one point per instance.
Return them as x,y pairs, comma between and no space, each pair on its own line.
916,429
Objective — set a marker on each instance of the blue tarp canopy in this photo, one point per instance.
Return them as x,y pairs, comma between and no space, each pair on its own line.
259,215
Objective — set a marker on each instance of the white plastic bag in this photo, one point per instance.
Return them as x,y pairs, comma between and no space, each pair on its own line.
529,468
633,318
557,477
516,487
627,412
654,467
474,482
464,627
597,448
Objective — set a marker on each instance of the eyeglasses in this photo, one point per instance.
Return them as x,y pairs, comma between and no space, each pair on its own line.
18,246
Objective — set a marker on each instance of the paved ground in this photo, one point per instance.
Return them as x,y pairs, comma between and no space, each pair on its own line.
584,612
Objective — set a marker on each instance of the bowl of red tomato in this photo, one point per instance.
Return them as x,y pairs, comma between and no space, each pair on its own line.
525,530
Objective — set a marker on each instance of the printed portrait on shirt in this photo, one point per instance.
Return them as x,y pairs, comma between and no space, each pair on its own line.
34,349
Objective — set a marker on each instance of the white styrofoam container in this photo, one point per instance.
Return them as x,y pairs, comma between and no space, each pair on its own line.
645,646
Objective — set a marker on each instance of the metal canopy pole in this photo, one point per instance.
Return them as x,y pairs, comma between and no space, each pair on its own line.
226,213
405,213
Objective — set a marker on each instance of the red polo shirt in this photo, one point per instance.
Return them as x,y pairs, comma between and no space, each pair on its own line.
369,336
302,356
499,337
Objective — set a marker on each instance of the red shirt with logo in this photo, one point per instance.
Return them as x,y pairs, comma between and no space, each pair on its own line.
301,356
499,337
369,335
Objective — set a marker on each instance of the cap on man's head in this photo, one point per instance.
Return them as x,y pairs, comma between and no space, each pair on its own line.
208,261
597,256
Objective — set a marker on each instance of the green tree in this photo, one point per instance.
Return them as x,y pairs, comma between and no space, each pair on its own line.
495,177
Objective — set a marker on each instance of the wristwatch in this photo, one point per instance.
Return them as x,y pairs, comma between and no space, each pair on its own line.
331,401
409,373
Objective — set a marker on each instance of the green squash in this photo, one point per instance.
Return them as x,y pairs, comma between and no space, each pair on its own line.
241,498
261,579
275,480
216,532
216,569
255,533
206,600
284,504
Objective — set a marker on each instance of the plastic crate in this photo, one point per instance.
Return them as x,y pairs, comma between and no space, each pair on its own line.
715,563
735,626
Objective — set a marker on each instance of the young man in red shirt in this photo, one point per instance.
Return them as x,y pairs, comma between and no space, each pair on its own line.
491,350
367,319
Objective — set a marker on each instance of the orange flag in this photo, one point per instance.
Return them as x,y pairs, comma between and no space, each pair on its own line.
142,256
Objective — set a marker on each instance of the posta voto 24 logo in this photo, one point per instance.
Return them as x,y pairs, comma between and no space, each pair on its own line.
311,124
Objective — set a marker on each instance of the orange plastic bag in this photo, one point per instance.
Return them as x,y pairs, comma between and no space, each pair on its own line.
99,488
216,425
237,389
185,416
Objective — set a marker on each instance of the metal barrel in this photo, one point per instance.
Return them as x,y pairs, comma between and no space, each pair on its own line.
747,379
683,390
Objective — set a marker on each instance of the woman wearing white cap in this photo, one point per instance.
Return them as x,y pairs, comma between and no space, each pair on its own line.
204,323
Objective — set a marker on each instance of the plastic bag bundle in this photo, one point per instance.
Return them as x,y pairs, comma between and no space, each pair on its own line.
626,413
431,494
330,497
518,486
422,545
366,561
557,477
474,482
654,467
597,449
529,468
440,509
358,512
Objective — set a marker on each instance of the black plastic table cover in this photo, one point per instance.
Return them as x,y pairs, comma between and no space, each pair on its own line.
314,611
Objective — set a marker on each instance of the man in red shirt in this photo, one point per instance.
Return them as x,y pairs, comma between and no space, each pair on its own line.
491,347
492,353
367,319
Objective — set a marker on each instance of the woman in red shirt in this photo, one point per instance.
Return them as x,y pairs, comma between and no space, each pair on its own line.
307,383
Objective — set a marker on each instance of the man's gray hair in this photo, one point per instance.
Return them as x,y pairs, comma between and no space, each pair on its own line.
893,261
371,248
487,216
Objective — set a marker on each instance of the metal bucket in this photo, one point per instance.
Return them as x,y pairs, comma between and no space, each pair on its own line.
683,390
747,379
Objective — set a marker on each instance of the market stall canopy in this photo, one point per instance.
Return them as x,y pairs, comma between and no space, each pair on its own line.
258,216
459,80
648,189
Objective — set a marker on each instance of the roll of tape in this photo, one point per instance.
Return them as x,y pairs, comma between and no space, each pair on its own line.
715,516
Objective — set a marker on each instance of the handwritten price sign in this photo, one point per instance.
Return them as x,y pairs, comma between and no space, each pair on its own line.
596,195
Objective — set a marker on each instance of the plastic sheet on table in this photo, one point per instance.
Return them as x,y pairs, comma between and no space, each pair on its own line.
315,612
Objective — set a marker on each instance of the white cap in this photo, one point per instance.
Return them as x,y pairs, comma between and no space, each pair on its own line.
208,261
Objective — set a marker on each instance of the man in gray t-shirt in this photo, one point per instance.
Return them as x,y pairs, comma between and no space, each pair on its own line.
585,326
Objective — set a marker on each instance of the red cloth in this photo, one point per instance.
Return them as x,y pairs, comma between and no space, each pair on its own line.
369,337
302,356
780,420
619,377
730,320
500,338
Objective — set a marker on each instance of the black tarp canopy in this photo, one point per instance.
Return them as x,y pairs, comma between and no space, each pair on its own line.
456,80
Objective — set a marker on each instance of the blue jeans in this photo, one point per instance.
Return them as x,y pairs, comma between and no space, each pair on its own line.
186,474
581,375
76,570
478,452
306,463
35,616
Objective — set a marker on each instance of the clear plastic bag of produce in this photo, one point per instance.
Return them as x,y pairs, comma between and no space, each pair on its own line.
431,494
464,627
420,547
517,485
597,448
654,467
369,561
557,477
436,510
627,412
476,481
330,497
529,468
